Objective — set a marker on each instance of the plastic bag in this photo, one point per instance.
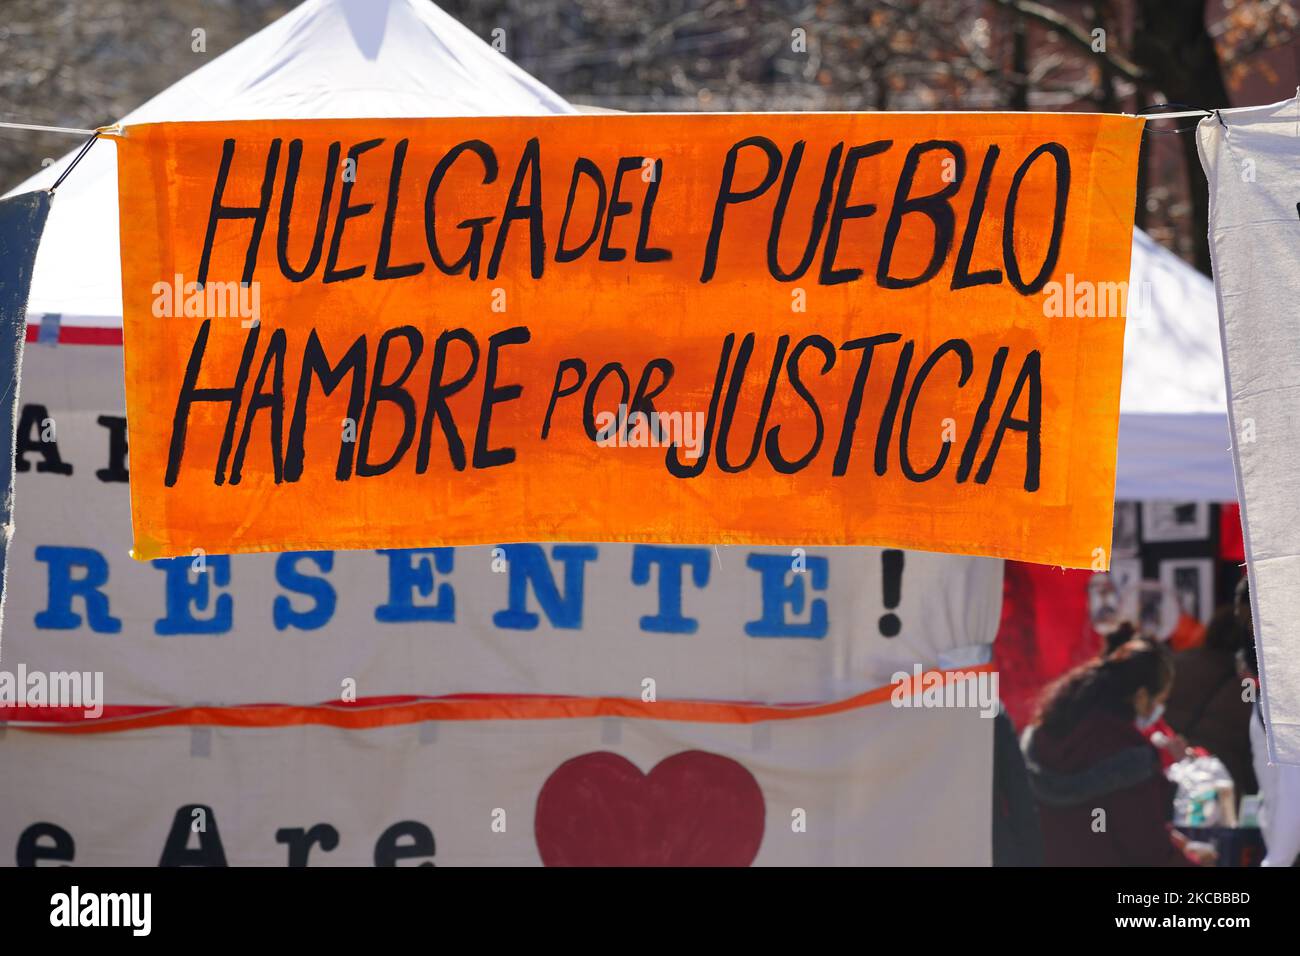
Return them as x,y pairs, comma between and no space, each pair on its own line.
1205,796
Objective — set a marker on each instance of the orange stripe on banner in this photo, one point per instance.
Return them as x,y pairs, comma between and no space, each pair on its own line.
505,707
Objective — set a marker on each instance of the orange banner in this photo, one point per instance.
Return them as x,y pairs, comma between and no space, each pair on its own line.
870,329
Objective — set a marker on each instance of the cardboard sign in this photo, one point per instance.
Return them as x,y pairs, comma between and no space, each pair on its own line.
511,781
595,619
900,330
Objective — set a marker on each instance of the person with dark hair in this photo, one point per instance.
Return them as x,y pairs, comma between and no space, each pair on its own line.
1170,744
1117,638
1102,798
1206,706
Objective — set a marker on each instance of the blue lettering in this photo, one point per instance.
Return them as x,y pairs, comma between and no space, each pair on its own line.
671,561
527,562
291,579
778,595
183,592
405,578
63,587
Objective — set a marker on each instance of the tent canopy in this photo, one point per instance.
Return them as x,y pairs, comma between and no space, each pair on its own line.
360,58
1173,422
325,58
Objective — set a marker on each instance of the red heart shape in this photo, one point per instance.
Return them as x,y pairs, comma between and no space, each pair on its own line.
693,809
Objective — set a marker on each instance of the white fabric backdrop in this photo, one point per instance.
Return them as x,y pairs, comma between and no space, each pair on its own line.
1251,165
877,786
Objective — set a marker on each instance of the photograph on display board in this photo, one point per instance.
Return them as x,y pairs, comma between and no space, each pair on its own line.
1157,609
1127,575
1125,539
1175,521
1192,583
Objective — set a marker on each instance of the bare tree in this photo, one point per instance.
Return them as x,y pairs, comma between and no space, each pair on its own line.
1187,52
83,63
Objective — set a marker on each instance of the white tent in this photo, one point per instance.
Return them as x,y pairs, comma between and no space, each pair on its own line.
358,58
1173,422
325,58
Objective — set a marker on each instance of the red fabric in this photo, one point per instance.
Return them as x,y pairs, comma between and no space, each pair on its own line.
1188,633
1232,547
1137,831
1045,631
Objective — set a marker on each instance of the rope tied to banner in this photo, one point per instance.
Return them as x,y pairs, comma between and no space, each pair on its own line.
1184,113
113,130
33,127
85,148
91,134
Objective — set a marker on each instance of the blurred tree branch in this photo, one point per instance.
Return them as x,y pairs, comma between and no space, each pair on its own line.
1075,34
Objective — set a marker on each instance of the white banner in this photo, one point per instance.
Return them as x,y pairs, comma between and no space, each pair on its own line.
737,623
1251,157
863,783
